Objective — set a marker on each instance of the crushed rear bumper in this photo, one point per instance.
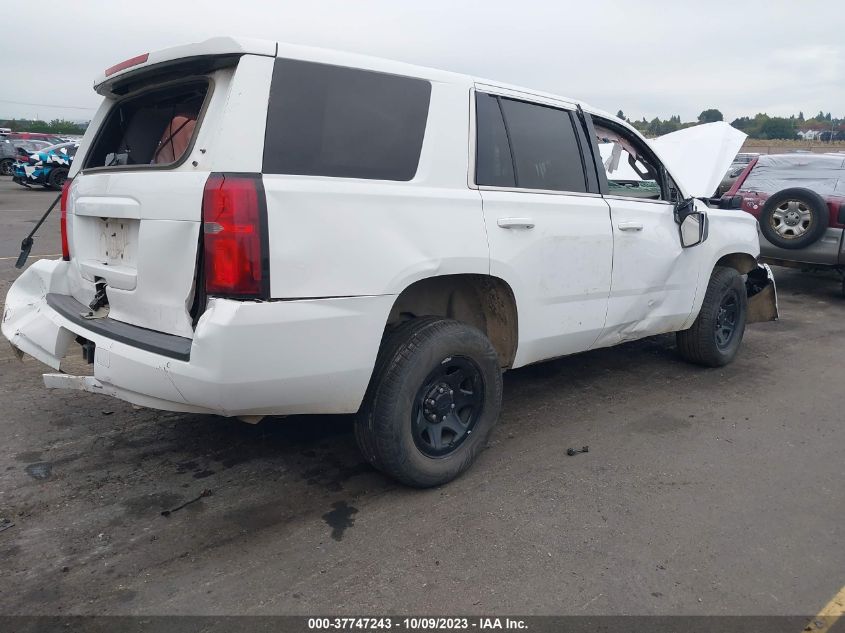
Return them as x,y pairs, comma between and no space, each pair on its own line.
245,358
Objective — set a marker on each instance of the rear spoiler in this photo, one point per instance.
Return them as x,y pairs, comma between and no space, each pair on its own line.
205,56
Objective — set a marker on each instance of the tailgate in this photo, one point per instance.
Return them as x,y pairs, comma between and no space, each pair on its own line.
134,210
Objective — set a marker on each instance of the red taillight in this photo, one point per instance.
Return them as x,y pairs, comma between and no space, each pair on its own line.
63,221
232,235
132,61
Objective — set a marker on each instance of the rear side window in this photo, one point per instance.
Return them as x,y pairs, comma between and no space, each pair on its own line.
493,160
327,120
545,148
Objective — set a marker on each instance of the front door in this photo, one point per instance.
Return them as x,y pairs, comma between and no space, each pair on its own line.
654,279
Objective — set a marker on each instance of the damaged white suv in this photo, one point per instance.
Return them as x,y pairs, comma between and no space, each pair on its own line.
252,228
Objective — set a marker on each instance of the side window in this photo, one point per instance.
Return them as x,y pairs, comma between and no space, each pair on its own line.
327,120
545,149
630,172
493,160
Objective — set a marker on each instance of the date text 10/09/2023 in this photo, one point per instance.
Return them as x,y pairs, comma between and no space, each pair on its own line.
415,624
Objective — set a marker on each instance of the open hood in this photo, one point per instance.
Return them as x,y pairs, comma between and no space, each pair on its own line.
698,157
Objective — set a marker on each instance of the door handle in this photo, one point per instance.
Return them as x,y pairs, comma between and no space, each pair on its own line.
515,223
630,226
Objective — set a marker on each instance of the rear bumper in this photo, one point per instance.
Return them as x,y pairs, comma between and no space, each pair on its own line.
246,358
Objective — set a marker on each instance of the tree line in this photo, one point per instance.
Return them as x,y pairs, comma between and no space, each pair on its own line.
56,126
760,126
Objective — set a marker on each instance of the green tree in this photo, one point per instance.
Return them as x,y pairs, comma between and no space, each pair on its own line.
778,127
710,116
621,115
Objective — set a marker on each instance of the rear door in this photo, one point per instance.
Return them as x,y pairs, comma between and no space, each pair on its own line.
548,228
135,207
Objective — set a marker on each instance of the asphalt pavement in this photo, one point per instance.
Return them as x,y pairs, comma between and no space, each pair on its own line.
705,491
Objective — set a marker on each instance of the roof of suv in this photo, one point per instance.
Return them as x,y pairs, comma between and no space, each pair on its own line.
222,46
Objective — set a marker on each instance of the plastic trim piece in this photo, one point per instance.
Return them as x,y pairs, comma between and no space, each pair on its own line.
168,345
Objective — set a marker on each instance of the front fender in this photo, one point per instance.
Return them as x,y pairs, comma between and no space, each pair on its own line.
762,295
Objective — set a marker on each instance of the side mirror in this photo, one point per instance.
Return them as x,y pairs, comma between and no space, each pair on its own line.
692,223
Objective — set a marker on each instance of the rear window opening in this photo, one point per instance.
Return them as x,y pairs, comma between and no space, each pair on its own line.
155,128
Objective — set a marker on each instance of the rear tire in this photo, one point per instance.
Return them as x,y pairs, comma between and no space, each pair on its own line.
6,167
434,397
715,336
57,177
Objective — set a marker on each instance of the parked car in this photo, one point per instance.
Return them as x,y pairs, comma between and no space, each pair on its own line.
47,167
8,155
35,136
12,150
799,200
256,228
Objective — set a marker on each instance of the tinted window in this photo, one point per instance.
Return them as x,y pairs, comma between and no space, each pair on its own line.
493,162
545,149
331,121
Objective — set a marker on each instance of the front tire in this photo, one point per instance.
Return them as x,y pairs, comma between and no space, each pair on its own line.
715,336
434,397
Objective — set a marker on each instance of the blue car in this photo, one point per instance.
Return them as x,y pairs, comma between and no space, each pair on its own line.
48,167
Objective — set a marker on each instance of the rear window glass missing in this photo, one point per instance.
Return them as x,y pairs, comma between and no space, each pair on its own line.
331,121
153,128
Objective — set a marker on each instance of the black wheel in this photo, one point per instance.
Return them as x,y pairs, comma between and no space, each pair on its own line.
57,177
434,397
6,166
715,336
794,218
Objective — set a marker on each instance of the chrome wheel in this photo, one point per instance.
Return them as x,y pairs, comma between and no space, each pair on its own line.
791,219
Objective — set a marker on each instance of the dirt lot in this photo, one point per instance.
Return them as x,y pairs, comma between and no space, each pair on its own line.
704,491
782,146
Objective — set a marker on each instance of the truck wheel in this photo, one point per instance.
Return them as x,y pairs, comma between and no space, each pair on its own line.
434,397
714,338
57,177
794,218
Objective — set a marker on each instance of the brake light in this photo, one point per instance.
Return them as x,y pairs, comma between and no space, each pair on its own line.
128,63
232,213
63,221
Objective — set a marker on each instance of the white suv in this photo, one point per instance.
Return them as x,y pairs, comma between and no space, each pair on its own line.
253,228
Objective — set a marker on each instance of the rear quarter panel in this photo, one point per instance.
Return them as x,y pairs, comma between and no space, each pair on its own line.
343,237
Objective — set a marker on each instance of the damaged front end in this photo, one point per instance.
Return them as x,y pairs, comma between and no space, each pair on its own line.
762,295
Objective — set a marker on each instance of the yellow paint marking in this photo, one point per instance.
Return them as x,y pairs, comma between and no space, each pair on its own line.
829,614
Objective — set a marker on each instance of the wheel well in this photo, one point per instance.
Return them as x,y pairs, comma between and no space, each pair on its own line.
743,263
479,300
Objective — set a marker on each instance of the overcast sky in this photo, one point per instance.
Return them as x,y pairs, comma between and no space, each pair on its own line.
647,58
